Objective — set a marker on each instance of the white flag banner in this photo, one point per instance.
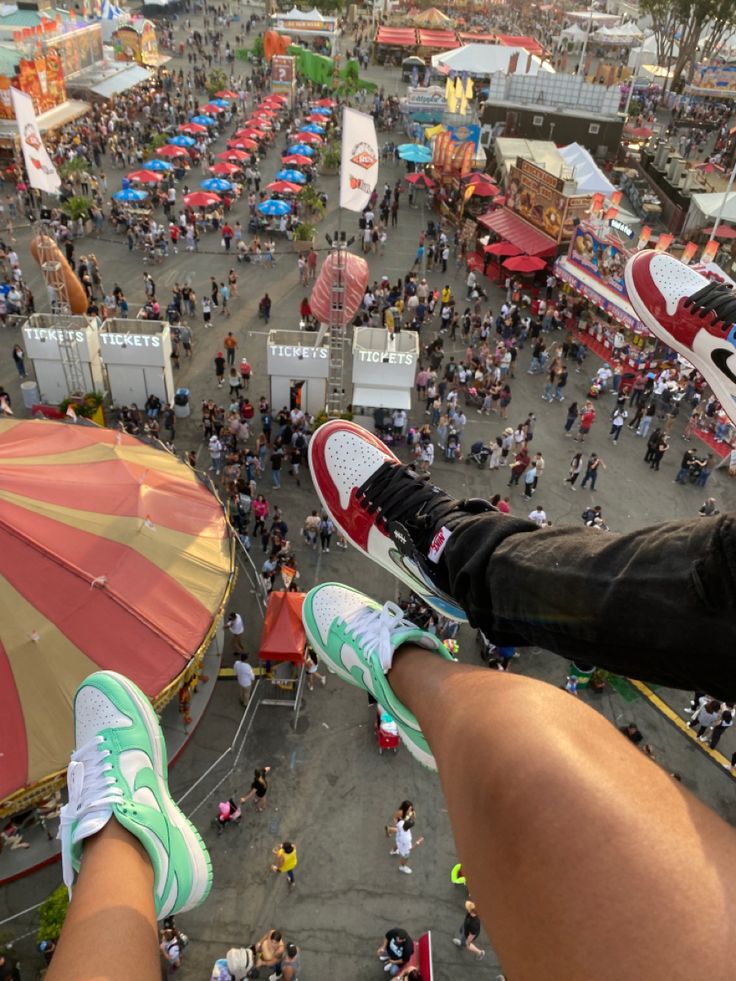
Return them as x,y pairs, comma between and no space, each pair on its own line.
41,172
359,166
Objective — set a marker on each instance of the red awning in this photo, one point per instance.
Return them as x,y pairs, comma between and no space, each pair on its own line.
512,228
529,44
438,39
283,637
402,37
467,38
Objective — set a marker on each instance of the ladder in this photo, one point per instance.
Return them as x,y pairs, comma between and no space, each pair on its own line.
336,350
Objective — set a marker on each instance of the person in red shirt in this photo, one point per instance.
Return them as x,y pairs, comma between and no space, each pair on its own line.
174,236
587,418
227,235
245,372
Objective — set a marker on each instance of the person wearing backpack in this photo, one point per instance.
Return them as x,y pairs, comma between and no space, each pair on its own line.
326,531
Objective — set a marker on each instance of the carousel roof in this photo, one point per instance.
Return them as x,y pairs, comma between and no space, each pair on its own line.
113,556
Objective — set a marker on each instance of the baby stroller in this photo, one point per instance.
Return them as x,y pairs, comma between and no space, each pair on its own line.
237,965
479,453
387,732
595,389
228,812
473,396
453,450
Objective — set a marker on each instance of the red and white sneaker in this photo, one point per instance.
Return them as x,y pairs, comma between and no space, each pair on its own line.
693,315
388,512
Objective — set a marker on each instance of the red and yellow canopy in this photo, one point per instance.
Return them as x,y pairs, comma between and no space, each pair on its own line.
112,555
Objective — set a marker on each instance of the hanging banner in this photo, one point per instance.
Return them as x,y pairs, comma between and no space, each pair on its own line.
644,235
664,242
611,213
42,174
688,253
359,168
616,198
596,203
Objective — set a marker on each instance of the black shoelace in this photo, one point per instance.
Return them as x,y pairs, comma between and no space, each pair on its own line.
394,493
714,298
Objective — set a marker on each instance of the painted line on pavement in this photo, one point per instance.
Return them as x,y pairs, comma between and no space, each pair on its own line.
664,709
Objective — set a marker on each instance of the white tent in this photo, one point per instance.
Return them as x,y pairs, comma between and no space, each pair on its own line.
704,207
574,33
588,176
621,34
482,60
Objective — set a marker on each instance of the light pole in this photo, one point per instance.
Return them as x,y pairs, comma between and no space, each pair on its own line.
721,209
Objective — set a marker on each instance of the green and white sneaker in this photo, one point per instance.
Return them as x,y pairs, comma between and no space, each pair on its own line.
119,769
356,638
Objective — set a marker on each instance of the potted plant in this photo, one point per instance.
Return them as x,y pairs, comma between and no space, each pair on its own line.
311,202
304,236
598,680
330,158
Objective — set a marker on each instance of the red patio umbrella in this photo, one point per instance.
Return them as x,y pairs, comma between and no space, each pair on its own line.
201,199
420,179
257,123
483,190
724,231
479,178
233,155
145,176
248,133
192,128
327,103
226,94
502,249
283,187
212,108
639,132
316,118
525,264
242,144
171,151
224,169
309,138
264,110
297,160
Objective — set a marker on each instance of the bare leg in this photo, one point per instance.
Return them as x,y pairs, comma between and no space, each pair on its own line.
579,851
110,930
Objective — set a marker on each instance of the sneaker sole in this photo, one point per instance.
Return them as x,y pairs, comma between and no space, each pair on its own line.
706,368
397,564
202,876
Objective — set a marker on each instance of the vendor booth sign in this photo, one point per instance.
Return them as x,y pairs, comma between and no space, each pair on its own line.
539,198
600,258
41,77
425,99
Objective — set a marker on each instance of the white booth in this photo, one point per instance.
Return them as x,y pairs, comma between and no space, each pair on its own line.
65,352
137,356
298,370
384,368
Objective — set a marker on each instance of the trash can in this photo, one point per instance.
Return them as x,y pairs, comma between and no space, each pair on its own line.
583,672
30,393
182,409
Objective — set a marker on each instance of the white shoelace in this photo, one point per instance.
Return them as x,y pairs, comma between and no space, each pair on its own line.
374,630
91,788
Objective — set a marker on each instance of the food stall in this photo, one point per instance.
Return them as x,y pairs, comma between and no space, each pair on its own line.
384,366
297,369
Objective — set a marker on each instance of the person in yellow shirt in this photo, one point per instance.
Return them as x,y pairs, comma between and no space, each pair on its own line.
285,854
446,298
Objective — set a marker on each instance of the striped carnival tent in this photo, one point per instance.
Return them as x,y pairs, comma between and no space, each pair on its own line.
113,555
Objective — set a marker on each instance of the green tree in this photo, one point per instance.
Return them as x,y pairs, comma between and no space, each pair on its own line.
216,81
51,914
698,27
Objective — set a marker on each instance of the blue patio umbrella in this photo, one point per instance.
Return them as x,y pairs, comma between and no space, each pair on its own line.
415,153
273,207
158,165
302,148
320,111
312,128
216,184
130,194
222,103
182,140
293,176
202,120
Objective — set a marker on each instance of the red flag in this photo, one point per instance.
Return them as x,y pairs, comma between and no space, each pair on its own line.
664,242
688,253
644,235
616,198
596,203
709,252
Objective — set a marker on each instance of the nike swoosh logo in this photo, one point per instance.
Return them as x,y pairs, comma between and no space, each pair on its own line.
720,357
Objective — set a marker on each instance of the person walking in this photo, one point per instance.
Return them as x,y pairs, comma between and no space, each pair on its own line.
326,531
469,930
215,448
706,716
591,470
258,789
404,820
725,722
618,418
587,418
310,529
277,458
289,966
645,424
18,359
285,861
312,665
572,414
220,369
530,479
658,451
235,625
245,678
576,465
230,344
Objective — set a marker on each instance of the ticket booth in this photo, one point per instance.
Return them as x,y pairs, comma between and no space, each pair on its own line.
65,352
297,368
137,358
384,368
